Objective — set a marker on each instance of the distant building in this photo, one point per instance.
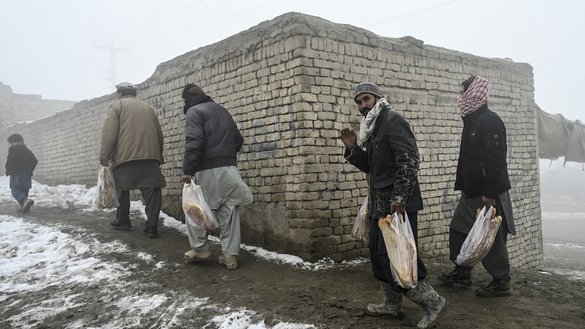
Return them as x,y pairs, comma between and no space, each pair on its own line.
21,107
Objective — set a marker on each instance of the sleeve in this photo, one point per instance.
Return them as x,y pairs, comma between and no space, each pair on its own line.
406,159
494,157
357,157
194,141
33,161
239,139
161,140
10,161
110,133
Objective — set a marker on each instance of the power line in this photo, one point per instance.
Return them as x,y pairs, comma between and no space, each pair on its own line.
411,13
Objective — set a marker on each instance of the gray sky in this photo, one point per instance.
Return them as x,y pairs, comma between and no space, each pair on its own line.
59,48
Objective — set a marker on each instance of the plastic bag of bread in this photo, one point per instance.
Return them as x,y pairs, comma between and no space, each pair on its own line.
481,237
361,224
106,196
196,209
401,249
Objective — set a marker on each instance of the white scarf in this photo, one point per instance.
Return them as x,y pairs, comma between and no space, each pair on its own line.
369,122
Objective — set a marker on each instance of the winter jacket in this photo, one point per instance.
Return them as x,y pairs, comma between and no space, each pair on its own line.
20,160
212,138
482,168
391,158
131,132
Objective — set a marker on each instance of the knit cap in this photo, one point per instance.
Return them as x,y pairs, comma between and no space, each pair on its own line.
367,87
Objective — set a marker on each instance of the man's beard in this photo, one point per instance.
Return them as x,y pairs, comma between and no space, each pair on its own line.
365,111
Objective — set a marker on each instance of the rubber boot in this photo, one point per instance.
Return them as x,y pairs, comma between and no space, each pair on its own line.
391,306
426,297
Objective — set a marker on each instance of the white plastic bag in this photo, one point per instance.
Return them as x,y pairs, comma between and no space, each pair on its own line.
480,238
196,209
401,249
106,196
361,224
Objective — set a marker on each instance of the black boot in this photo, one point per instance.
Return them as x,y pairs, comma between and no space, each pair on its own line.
152,232
391,306
496,288
121,224
461,275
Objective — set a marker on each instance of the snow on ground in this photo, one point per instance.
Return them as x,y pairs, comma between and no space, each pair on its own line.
36,257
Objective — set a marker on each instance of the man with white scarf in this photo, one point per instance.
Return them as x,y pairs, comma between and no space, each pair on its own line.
482,178
386,150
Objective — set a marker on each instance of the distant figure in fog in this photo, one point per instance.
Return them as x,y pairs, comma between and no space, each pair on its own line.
212,141
20,164
132,143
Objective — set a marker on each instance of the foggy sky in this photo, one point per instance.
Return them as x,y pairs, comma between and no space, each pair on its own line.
59,48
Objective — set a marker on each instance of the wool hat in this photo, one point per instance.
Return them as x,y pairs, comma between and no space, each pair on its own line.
125,85
367,87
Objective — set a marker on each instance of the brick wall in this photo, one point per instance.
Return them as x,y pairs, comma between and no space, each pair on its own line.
287,83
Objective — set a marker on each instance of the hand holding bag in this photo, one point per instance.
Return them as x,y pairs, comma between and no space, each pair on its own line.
196,209
401,249
106,196
480,239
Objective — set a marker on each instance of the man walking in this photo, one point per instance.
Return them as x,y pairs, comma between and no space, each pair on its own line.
482,178
132,141
212,141
386,149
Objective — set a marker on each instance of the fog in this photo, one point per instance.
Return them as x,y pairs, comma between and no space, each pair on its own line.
75,50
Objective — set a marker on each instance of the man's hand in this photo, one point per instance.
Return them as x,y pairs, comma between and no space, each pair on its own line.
348,137
186,179
398,207
487,201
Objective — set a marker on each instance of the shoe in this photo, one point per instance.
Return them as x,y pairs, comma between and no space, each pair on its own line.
496,288
228,261
26,205
117,223
195,255
122,227
459,276
152,233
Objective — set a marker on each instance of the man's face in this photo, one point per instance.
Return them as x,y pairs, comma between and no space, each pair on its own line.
365,102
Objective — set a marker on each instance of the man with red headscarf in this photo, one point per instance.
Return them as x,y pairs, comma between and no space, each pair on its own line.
482,178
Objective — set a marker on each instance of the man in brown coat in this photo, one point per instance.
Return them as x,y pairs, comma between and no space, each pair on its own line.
132,143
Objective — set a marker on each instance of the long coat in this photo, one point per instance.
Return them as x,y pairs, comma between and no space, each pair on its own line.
482,169
131,132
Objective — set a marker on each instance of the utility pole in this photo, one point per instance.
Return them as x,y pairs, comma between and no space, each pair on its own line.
113,50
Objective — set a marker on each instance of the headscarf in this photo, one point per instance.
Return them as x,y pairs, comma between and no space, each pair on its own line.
475,96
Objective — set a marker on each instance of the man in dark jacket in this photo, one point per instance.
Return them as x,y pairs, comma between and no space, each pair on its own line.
482,178
386,150
20,164
212,141
132,141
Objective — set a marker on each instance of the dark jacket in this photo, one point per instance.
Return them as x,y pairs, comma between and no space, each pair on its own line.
20,160
482,168
392,160
212,138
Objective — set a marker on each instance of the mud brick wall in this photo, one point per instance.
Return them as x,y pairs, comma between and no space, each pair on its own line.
287,82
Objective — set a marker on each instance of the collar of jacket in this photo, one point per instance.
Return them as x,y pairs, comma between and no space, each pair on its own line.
196,100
